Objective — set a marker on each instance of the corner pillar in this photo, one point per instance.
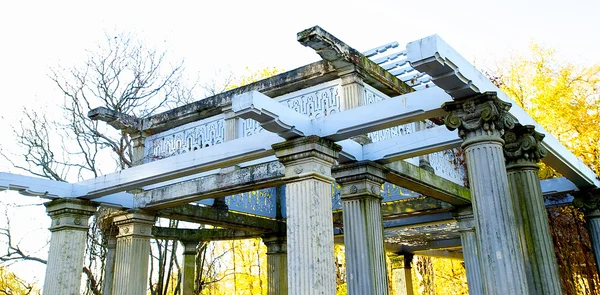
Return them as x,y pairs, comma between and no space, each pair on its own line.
480,121
363,227
466,228
138,142
277,271
353,90
133,253
231,124
402,274
190,248
67,244
523,150
308,162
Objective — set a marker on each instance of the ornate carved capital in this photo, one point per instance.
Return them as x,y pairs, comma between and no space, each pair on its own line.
70,213
134,224
307,156
360,179
588,202
482,117
522,146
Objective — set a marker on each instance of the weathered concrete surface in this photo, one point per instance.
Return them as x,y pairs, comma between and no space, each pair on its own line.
208,215
212,186
67,244
300,78
133,253
480,121
346,59
204,235
424,182
523,150
363,227
308,161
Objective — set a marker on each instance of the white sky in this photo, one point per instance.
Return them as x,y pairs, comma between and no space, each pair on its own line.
232,35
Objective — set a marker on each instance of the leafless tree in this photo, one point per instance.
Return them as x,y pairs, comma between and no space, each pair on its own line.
123,75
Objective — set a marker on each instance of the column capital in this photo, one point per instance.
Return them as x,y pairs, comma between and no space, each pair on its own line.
351,77
69,213
275,244
401,260
588,202
523,147
464,217
483,117
360,179
306,156
189,247
134,224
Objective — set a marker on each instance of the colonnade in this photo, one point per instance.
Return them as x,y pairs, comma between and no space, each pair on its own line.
505,235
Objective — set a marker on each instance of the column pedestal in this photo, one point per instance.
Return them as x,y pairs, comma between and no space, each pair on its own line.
67,244
308,161
402,274
133,253
363,227
481,120
523,150
277,272
466,227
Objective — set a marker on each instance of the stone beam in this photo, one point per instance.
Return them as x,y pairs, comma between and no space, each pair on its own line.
116,120
345,59
212,216
419,220
459,78
202,235
300,78
411,145
218,156
436,244
426,183
213,186
456,255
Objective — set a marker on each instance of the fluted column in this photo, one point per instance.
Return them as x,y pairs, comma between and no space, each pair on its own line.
402,274
353,91
231,124
277,272
109,264
67,244
466,228
133,252
523,150
363,227
589,203
189,267
308,161
481,120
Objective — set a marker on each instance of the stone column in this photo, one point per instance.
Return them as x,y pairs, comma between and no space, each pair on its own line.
109,264
523,150
589,203
308,161
353,91
138,142
133,252
190,248
481,120
277,272
366,270
231,124
466,228
67,244
402,274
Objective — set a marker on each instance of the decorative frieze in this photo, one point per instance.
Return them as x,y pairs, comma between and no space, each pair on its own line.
186,138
